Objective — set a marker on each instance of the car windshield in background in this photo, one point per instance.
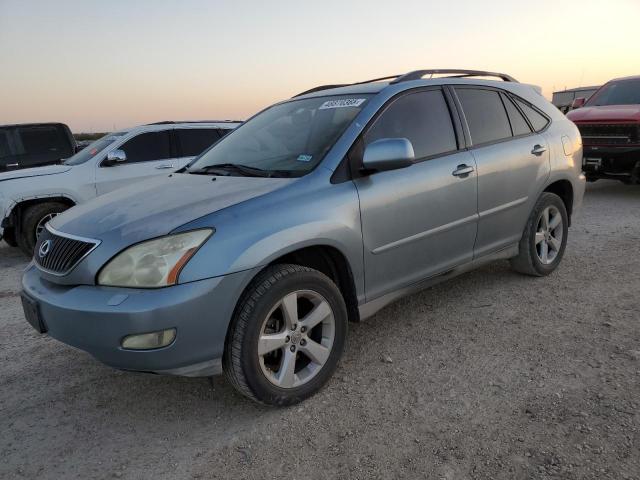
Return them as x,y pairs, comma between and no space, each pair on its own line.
93,149
288,139
623,92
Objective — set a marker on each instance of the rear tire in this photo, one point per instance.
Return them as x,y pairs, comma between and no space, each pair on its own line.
287,335
33,219
544,238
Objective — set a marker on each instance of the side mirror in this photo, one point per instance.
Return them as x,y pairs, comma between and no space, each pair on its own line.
578,102
388,154
114,157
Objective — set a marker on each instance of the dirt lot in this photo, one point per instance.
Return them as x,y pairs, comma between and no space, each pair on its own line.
493,375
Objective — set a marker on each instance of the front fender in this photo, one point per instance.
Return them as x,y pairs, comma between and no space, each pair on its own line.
257,233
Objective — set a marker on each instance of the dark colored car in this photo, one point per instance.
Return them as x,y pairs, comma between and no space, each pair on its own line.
609,123
34,144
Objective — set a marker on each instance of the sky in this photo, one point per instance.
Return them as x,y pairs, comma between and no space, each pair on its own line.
105,65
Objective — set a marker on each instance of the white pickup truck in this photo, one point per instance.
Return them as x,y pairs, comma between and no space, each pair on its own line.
29,198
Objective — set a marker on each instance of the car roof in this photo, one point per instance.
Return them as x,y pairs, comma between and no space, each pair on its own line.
374,88
38,124
632,77
152,127
415,79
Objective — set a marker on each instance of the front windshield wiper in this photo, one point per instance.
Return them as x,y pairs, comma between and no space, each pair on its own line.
239,168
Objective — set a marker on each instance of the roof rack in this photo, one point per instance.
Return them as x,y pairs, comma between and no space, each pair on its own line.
327,87
171,122
417,75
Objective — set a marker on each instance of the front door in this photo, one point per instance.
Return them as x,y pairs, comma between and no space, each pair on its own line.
148,154
421,220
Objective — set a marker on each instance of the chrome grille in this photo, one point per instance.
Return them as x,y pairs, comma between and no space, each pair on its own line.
609,133
59,254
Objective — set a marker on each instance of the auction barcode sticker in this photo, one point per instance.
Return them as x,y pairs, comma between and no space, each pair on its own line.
342,103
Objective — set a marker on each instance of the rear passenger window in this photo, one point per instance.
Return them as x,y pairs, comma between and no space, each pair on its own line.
421,117
194,141
485,114
148,146
518,123
538,120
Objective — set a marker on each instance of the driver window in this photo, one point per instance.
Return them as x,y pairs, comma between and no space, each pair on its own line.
423,118
148,146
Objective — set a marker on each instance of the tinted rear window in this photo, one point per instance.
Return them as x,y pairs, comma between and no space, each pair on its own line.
538,120
421,117
194,141
48,139
485,114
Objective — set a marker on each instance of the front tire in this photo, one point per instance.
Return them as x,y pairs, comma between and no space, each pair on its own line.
34,219
287,335
544,238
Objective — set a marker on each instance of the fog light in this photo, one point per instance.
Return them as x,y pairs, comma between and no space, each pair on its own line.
147,341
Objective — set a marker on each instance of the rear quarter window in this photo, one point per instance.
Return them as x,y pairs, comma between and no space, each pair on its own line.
537,119
518,124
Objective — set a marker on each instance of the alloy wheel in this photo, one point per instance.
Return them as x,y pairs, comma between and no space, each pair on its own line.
549,232
296,339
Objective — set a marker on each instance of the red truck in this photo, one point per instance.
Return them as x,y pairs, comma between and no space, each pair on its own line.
609,123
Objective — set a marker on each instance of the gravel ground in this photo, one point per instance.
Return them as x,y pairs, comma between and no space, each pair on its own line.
492,375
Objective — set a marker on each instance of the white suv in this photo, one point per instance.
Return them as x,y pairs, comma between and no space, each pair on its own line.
30,198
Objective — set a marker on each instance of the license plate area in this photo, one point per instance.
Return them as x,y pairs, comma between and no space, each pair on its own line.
32,313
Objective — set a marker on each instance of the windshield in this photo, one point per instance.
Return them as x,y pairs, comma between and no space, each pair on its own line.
623,92
93,149
289,139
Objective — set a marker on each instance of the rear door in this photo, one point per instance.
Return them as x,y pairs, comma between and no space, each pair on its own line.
511,159
193,141
421,220
148,154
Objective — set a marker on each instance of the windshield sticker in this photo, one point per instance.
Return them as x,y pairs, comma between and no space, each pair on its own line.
305,158
342,103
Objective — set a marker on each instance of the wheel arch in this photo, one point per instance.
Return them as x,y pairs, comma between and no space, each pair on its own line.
15,211
330,261
564,189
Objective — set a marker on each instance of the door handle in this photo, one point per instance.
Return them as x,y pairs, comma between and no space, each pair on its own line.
164,167
462,170
538,150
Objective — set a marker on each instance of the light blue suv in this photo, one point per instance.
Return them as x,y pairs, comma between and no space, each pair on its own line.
317,211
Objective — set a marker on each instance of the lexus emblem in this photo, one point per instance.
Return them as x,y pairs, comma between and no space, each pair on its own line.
44,249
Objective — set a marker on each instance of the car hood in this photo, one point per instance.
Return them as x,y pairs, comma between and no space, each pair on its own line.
158,206
34,172
606,113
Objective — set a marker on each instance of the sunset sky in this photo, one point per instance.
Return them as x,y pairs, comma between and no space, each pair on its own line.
100,65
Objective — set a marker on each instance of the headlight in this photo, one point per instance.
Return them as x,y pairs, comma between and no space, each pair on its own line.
155,263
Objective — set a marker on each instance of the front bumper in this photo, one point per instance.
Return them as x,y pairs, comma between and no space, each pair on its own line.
612,162
96,319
